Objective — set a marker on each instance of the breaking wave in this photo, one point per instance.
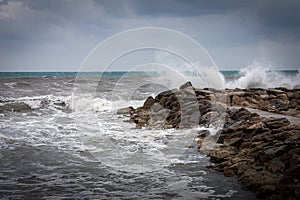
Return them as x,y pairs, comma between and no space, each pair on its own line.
258,75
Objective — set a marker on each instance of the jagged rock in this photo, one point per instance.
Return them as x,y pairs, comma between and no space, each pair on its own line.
185,85
165,94
262,152
149,102
220,154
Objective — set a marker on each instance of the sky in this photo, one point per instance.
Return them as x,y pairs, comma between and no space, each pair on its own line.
57,35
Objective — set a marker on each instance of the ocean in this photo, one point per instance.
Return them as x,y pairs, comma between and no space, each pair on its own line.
66,141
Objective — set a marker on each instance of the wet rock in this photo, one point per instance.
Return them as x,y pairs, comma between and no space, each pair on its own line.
59,103
149,102
124,111
208,118
165,94
262,152
15,107
185,85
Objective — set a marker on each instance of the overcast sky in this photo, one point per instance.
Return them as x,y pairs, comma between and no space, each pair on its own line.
56,35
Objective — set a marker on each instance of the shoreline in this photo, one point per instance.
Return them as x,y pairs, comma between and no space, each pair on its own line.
261,151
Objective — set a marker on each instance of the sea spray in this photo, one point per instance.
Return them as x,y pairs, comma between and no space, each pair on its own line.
259,75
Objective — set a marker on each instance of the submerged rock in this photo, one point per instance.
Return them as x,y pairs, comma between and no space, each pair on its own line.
15,107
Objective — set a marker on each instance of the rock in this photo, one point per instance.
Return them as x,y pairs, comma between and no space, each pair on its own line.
165,94
279,104
59,103
185,85
124,111
203,92
160,115
255,179
149,102
262,152
240,114
203,134
205,106
16,107
288,186
208,118
283,98
276,165
274,91
276,123
240,167
292,112
235,142
256,126
156,107
220,154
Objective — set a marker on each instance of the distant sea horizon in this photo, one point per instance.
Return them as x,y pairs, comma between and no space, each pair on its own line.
110,73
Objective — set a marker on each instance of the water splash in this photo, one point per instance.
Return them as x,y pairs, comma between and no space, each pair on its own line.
260,75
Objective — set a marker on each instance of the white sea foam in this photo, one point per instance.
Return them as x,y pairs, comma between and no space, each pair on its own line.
86,104
259,75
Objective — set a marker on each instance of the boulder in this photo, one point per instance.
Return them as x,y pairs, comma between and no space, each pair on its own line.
124,111
185,85
149,102
165,94
15,107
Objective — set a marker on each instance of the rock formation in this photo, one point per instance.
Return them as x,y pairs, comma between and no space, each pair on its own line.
262,152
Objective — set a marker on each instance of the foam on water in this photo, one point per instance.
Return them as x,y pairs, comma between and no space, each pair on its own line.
259,75
87,151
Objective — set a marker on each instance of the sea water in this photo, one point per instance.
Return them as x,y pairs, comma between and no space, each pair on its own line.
58,151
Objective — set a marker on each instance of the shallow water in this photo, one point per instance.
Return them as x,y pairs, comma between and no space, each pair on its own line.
63,152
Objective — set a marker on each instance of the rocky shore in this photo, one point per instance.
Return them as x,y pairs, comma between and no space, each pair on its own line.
262,152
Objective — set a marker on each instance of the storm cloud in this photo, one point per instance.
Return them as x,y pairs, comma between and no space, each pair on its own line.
56,35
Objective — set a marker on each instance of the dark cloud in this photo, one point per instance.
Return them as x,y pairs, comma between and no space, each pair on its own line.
55,26
185,7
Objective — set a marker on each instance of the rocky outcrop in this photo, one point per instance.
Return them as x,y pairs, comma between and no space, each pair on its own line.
278,100
185,107
262,152
188,106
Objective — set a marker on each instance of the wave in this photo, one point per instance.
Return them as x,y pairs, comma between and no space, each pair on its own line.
258,75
